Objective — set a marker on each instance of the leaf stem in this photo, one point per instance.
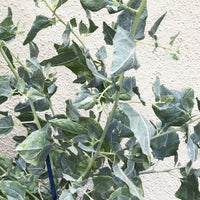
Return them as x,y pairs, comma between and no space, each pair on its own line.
8,61
110,117
162,47
15,57
137,17
159,171
36,120
125,6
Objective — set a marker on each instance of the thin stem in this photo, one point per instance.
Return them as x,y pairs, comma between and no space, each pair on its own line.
14,56
162,47
125,6
36,120
8,62
58,17
137,17
110,117
99,117
159,171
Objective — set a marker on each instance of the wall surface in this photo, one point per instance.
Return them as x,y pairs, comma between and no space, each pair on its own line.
182,16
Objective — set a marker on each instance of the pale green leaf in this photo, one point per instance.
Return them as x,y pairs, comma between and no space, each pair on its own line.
124,52
132,188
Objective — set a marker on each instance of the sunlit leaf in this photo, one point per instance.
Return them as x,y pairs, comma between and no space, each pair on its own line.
132,188
127,18
35,148
124,52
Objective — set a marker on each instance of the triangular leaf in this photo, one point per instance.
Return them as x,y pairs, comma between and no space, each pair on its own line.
7,28
109,34
60,2
156,25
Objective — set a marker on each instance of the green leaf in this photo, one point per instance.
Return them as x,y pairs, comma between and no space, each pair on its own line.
94,5
92,26
60,2
82,28
7,28
8,54
6,125
41,22
189,188
94,129
129,84
21,85
85,99
5,88
66,196
192,149
13,190
188,99
102,183
173,38
175,111
69,126
121,193
101,53
34,95
198,103
73,22
34,51
71,111
127,18
68,59
124,52
166,145
109,34
66,38
94,70
156,25
5,164
132,188
36,147
141,127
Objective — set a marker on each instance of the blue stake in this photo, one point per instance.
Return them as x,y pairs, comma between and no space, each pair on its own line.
52,185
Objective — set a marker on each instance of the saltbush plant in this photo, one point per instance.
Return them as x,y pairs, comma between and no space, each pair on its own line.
71,155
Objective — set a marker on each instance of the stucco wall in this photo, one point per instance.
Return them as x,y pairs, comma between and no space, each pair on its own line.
183,16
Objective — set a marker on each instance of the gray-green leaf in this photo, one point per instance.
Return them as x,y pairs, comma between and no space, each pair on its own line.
6,125
141,127
13,190
7,28
5,88
94,5
132,188
124,52
35,148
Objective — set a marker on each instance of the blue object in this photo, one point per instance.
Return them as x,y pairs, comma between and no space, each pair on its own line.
52,185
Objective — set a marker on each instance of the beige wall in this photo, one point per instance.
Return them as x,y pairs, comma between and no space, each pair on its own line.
183,16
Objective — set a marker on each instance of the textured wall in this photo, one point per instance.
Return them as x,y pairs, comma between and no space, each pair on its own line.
183,16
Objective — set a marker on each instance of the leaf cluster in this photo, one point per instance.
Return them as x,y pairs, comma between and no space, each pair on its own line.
81,150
